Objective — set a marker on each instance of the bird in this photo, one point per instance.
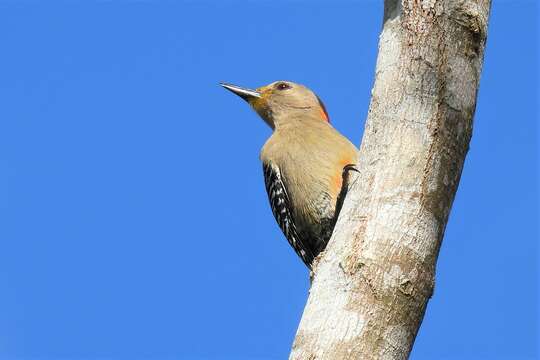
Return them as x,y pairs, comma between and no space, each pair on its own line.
306,163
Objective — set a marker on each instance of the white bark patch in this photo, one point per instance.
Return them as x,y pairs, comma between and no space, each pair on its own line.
428,4
323,326
389,42
396,336
392,278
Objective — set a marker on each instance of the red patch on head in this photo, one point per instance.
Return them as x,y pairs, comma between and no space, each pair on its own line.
324,113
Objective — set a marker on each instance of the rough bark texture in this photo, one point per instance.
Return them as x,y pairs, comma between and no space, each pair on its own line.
372,284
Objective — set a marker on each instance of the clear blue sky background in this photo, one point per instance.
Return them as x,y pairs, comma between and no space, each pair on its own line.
133,218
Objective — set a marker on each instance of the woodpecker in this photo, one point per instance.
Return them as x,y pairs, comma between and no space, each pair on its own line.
306,163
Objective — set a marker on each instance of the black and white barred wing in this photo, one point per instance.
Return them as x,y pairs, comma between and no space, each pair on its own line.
281,208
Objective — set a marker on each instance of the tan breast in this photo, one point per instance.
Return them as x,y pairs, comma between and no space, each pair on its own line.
311,161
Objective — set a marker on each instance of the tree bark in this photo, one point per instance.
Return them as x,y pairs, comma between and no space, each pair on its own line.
371,286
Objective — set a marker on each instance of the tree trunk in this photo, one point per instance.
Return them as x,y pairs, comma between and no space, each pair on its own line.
371,286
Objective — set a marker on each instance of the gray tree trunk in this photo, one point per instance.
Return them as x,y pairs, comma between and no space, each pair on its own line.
372,284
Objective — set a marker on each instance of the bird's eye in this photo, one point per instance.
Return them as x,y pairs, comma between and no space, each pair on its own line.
283,86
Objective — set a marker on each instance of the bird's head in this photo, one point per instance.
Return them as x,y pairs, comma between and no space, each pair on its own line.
283,102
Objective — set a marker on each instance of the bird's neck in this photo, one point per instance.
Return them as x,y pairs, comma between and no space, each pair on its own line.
306,119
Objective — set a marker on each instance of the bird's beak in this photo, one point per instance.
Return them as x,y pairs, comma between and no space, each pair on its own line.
246,94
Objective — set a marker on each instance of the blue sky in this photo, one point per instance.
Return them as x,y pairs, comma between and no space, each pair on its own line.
133,218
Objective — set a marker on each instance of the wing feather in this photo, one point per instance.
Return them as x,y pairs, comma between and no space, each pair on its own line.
281,208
